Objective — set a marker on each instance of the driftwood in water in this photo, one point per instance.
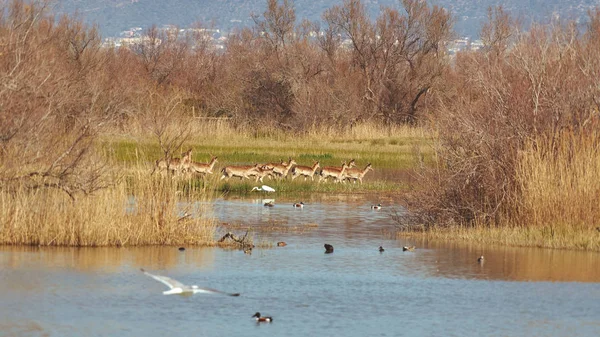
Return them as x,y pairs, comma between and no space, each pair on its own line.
239,240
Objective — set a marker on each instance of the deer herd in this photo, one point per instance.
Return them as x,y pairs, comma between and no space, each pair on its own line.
281,170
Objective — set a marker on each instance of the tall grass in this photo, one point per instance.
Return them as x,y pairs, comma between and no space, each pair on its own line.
560,182
139,210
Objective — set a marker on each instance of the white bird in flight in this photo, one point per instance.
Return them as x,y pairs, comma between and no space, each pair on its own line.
179,288
263,188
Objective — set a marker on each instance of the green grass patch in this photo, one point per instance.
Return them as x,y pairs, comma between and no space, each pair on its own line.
394,152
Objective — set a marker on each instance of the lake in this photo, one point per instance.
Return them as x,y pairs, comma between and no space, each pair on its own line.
437,290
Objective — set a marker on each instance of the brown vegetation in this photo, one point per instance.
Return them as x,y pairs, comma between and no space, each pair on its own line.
510,120
518,140
143,210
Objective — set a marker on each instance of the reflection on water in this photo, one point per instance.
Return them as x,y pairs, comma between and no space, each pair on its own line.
514,263
437,290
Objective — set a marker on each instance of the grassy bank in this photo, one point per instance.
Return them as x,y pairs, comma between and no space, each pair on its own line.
551,236
386,148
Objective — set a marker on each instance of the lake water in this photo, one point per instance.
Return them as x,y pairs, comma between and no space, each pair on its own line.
437,290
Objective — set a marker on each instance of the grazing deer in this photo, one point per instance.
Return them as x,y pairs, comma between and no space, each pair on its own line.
357,174
175,164
305,171
202,168
282,169
337,173
242,171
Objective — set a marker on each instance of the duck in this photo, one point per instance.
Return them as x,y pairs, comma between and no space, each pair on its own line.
381,250
378,206
328,248
259,318
299,204
409,248
269,204
181,249
480,259
281,244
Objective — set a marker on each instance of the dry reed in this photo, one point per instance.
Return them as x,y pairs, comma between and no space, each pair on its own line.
557,204
139,210
559,182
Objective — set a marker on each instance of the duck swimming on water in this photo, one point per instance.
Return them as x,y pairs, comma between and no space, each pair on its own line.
259,318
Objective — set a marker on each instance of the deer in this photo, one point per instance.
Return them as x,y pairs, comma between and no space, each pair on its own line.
336,172
243,171
283,168
305,171
175,164
202,168
260,172
357,174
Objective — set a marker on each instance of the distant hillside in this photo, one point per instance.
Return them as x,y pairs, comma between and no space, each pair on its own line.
114,16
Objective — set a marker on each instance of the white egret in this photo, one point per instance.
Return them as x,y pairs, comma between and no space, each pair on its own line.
179,288
263,188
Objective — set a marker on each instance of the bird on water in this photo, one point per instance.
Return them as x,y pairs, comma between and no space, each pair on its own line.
259,318
328,248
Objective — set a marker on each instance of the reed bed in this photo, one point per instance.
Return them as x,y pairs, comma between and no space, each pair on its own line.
557,202
138,210
560,183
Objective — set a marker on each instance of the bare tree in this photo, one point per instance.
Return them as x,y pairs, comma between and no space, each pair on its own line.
49,109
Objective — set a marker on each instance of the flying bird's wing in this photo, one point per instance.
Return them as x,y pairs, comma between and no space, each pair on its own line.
210,290
169,282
